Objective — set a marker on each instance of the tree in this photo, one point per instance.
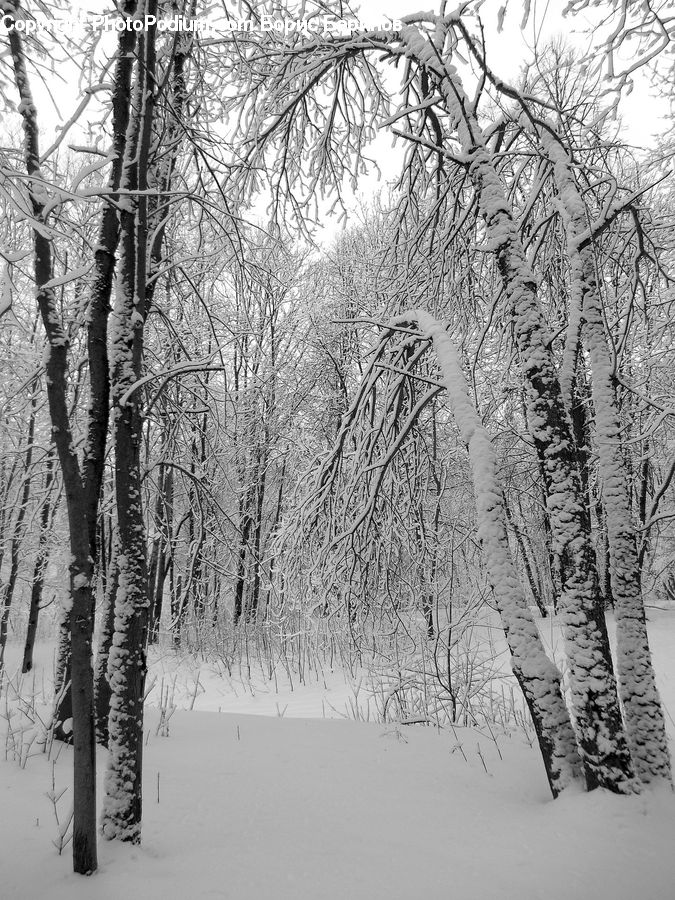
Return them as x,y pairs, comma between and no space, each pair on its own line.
127,661
645,724
446,136
417,331
48,509
80,569
98,310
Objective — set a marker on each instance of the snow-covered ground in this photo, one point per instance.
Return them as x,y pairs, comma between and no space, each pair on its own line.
254,801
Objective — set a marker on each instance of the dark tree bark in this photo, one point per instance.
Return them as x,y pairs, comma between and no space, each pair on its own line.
80,568
47,512
127,661
642,710
165,525
257,537
97,334
18,532
245,529
101,683
527,565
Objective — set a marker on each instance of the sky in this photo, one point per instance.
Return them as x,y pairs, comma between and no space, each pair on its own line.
507,52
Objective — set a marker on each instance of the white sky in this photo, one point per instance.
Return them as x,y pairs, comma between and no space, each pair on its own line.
507,52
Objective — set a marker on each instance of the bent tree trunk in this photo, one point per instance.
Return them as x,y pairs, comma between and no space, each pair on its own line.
537,675
643,714
80,568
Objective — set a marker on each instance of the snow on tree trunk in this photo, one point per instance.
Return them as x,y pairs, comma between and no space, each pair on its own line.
102,691
644,719
598,721
99,301
97,327
536,673
122,808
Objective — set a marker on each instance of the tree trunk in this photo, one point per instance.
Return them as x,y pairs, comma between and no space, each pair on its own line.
645,723
257,535
537,675
47,512
245,529
102,691
17,536
529,572
122,809
97,322
602,742
80,568
165,524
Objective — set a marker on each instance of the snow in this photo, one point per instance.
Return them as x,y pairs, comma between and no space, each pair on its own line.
5,295
258,806
86,171
67,277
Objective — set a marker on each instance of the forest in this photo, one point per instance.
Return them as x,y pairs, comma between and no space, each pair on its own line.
337,369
